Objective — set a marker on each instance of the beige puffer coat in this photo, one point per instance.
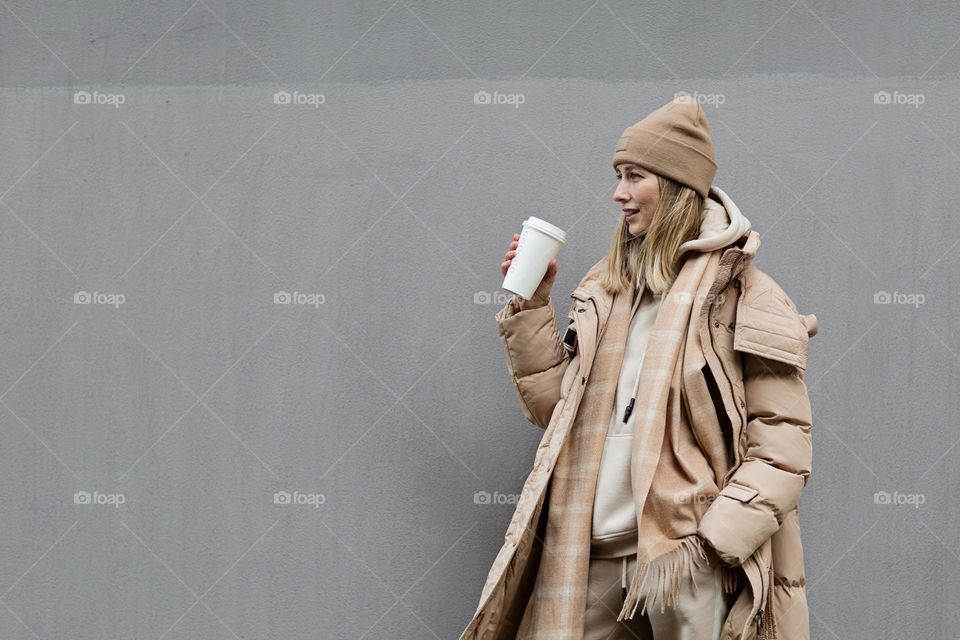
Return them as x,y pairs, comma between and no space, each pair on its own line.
755,343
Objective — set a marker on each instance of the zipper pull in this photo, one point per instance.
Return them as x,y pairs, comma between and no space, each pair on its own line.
759,617
628,411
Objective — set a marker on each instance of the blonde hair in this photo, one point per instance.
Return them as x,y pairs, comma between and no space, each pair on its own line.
652,260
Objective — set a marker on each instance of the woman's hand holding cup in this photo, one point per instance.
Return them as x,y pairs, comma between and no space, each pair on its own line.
541,296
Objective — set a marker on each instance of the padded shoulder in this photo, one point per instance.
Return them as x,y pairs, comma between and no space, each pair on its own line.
768,323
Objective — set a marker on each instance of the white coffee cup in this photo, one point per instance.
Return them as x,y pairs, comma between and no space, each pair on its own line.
540,242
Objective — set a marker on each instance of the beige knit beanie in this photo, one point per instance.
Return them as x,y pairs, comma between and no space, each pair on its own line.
673,141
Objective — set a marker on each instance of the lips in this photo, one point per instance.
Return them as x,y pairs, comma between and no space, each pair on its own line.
629,214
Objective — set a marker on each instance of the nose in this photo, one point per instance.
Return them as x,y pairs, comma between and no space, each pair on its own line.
619,196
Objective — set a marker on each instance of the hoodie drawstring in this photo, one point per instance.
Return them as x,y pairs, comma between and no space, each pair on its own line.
636,385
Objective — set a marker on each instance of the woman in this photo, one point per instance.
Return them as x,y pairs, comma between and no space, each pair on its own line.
677,423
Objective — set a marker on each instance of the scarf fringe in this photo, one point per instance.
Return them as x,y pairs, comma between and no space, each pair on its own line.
667,571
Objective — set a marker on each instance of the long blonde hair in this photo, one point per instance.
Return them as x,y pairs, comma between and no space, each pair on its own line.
652,259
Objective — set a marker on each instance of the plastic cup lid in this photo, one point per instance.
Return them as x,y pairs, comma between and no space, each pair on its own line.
547,228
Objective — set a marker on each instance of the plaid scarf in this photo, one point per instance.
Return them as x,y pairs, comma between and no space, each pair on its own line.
677,463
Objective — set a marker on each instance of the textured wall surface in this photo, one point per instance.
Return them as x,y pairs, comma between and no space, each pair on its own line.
249,266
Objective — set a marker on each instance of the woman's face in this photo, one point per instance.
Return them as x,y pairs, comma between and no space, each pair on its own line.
638,192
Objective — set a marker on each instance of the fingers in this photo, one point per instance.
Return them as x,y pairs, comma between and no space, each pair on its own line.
511,252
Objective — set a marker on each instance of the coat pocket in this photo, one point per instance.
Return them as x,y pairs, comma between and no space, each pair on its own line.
737,523
739,492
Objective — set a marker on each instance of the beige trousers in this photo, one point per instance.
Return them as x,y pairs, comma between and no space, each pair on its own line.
698,615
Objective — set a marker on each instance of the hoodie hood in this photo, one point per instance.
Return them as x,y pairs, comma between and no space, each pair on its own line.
720,224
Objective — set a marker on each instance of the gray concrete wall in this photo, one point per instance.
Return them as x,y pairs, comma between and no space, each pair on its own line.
145,434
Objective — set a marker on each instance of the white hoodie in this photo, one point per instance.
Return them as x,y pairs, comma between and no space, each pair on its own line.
614,512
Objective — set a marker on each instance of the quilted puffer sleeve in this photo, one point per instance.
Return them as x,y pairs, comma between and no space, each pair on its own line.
779,449
536,359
